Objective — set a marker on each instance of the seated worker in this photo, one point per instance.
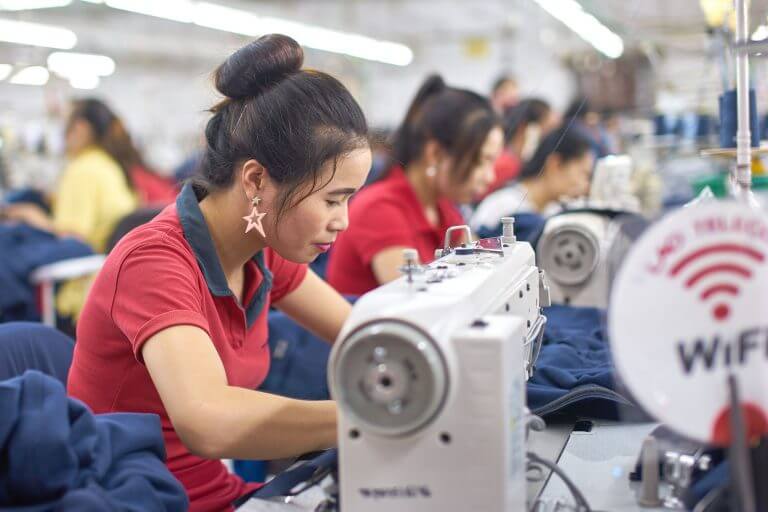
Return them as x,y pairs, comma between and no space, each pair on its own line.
505,93
445,149
524,125
95,190
560,167
583,117
176,321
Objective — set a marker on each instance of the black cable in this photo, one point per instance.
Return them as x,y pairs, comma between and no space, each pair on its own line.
577,495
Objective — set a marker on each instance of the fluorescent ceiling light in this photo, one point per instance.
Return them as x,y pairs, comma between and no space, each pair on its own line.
23,5
5,71
32,75
341,42
70,64
228,19
176,10
586,26
93,1
238,21
760,33
84,81
35,34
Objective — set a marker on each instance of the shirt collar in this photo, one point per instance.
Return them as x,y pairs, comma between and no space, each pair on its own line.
199,238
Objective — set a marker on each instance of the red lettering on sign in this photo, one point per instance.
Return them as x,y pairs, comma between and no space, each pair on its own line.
671,244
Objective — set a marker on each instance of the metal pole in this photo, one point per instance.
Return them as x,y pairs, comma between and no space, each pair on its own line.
743,177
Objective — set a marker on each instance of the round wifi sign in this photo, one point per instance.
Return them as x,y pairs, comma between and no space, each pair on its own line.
690,306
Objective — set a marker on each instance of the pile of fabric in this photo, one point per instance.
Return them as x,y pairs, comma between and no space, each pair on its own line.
57,455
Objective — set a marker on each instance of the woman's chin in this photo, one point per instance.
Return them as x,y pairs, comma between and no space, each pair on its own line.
303,256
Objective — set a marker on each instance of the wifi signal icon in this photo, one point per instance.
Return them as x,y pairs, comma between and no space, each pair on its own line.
723,274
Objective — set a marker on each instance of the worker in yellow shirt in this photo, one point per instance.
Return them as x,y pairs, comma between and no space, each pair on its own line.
94,192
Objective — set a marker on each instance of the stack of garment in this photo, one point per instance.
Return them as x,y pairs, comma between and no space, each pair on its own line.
57,455
574,371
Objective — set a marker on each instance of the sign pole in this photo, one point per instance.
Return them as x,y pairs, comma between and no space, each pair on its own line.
743,171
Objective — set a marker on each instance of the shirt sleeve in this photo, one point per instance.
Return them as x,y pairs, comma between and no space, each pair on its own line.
76,207
156,288
380,227
286,275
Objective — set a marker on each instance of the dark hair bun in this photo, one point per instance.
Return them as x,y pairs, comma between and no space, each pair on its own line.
258,66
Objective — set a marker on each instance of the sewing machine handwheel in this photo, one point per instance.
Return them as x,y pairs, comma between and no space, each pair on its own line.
389,377
569,254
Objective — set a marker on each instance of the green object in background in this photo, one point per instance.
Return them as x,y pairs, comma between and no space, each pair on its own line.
719,184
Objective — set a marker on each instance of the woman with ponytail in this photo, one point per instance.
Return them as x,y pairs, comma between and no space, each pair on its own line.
559,168
95,190
176,322
444,153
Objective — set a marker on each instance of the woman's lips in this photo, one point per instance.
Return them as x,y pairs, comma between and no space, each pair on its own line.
323,247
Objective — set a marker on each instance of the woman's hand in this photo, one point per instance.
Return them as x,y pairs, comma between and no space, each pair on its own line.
28,213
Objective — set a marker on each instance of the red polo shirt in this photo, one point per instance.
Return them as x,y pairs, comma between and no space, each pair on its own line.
383,215
162,274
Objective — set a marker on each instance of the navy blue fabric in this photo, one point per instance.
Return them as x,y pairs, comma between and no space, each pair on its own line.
27,195
528,228
22,250
30,346
574,368
58,456
299,360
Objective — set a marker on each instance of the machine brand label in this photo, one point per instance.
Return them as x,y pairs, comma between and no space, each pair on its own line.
407,491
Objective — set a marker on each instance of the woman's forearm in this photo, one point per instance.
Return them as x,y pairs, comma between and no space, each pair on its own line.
246,424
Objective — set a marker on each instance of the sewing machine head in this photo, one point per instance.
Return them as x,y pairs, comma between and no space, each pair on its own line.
581,251
429,372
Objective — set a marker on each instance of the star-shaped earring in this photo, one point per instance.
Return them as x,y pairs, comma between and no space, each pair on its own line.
254,218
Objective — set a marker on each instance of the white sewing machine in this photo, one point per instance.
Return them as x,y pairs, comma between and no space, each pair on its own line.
429,373
581,251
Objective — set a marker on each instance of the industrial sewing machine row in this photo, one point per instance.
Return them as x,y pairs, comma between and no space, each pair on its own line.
429,373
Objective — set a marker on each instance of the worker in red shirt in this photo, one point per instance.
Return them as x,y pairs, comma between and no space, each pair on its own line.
524,126
176,322
445,150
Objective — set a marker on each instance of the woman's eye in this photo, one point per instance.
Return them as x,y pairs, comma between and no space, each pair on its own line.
332,203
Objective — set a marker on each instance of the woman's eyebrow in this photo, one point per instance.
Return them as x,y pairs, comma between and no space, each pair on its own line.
342,191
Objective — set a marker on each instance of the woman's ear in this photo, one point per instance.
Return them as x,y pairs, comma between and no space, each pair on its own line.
254,178
433,153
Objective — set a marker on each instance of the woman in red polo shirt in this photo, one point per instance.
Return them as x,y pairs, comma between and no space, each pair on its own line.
176,322
445,148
